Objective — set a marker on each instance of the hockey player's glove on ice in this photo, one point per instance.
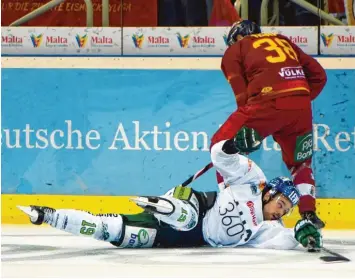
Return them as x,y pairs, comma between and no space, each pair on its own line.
308,235
247,140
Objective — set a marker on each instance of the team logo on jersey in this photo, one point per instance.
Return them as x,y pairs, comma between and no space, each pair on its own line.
257,189
254,189
267,89
327,39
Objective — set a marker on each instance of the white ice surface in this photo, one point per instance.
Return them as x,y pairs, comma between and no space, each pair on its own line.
36,252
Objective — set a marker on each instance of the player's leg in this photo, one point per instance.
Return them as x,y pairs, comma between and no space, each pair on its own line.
231,126
180,213
77,222
114,228
181,228
179,207
296,142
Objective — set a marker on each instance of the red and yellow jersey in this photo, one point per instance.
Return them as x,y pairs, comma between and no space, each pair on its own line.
266,66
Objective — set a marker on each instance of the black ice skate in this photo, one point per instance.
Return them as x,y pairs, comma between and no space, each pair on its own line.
36,213
154,204
312,216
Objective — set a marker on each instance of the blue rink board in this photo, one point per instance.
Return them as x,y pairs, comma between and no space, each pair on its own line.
190,100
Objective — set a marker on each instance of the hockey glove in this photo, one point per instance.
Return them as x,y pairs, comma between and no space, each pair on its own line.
312,216
308,235
247,140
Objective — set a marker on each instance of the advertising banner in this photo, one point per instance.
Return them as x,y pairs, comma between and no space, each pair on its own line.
337,40
174,41
161,41
202,41
60,41
304,36
141,132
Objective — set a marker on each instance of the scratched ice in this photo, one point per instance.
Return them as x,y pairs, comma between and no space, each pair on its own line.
35,252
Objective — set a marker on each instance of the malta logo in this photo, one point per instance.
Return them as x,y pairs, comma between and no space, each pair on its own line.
36,40
327,39
81,40
138,40
183,40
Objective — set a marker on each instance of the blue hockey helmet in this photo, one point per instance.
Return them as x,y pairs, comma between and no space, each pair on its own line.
286,187
244,28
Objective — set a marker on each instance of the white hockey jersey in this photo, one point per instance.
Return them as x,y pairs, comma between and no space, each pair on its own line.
236,217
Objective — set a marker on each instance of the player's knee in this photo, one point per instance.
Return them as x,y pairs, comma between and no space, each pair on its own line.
111,227
186,213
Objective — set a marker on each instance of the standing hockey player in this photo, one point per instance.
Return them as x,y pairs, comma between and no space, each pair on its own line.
247,212
274,83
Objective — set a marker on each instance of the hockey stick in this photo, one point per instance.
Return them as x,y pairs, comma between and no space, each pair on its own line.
334,258
197,174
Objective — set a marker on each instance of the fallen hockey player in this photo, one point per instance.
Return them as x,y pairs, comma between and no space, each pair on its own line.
247,212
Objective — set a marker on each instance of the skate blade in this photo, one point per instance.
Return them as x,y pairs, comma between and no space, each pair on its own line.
146,204
26,209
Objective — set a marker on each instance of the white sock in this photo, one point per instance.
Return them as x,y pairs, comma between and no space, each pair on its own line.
106,228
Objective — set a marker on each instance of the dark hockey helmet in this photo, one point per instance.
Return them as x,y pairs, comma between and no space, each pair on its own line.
284,186
244,28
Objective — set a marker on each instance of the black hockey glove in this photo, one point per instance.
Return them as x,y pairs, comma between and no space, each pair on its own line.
247,140
312,216
308,235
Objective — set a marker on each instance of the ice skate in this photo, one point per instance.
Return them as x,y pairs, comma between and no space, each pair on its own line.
36,213
312,216
154,204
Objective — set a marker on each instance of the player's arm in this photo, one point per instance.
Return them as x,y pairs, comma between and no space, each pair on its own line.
228,162
232,68
315,74
234,167
272,235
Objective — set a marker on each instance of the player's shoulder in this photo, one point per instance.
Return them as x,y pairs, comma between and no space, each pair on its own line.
265,35
251,172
